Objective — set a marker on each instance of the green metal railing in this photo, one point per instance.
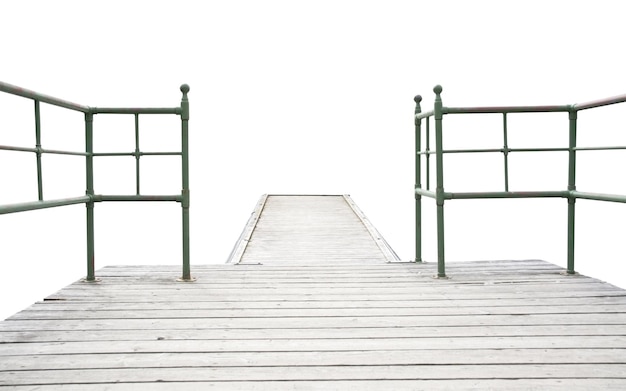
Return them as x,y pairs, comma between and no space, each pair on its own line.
90,197
440,196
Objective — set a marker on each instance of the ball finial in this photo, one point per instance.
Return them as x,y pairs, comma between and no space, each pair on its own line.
437,90
184,88
417,99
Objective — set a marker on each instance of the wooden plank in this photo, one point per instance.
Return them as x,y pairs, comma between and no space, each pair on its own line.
553,383
602,303
317,345
319,358
278,297
170,313
153,334
535,286
317,373
316,322
244,238
382,244
314,345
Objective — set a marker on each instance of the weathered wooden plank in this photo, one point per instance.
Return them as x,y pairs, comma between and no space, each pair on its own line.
320,358
318,373
262,297
553,383
309,345
601,302
377,385
153,334
285,278
170,313
502,267
316,322
535,288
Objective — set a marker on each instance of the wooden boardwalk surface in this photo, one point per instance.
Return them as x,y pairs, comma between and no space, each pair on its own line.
348,324
310,229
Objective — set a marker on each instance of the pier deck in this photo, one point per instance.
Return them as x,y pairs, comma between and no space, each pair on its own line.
263,323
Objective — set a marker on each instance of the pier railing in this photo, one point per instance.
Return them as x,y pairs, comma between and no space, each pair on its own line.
90,197
440,195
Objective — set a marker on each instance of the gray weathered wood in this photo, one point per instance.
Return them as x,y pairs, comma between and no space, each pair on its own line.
294,314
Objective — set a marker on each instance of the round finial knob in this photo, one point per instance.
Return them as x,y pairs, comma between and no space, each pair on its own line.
184,88
437,89
418,98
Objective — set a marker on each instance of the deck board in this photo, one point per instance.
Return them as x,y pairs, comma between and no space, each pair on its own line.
351,322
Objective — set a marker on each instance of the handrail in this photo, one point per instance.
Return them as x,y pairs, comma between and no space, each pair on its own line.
505,109
571,194
90,197
599,103
26,206
36,96
135,110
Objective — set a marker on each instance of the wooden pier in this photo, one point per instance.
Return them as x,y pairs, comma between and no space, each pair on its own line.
314,299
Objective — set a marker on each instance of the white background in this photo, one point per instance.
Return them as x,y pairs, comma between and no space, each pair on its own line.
305,97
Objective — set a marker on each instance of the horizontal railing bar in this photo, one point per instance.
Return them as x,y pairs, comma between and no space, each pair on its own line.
555,149
425,193
113,154
598,148
135,110
599,196
473,150
160,153
425,114
177,198
23,92
135,154
506,194
57,152
18,149
562,149
600,102
41,150
506,109
25,206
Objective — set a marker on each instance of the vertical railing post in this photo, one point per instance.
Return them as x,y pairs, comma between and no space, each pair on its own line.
90,192
137,155
418,181
38,147
441,266
505,151
184,116
571,187
427,153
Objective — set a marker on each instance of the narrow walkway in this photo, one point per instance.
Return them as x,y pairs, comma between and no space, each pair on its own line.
305,229
355,324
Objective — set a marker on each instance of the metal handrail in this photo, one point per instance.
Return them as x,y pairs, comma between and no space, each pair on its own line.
571,194
90,197
38,97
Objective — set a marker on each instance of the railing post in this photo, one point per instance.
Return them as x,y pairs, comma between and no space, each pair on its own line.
137,155
505,151
418,181
427,153
90,192
184,116
441,264
571,187
38,148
